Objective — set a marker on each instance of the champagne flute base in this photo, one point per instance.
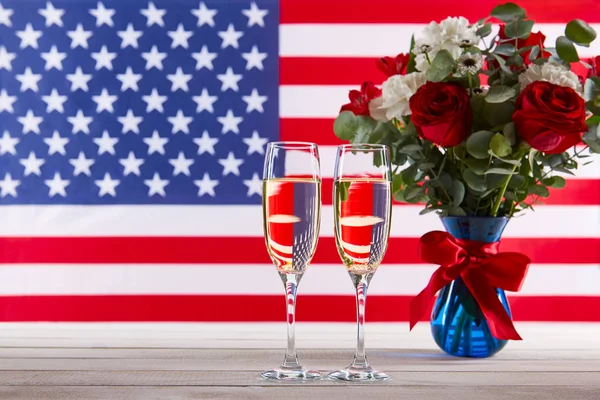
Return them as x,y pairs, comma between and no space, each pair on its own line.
286,374
354,374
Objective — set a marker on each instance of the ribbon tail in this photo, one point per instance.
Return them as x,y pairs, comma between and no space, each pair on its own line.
419,303
501,325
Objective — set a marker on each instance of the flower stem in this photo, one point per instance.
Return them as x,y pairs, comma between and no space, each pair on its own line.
496,205
470,84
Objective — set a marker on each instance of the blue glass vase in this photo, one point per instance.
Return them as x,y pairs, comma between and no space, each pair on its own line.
457,323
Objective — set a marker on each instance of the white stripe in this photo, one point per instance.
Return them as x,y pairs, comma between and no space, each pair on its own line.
235,221
260,280
327,155
377,40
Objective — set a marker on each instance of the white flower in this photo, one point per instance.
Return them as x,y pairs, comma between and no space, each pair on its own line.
456,30
470,63
396,93
553,73
376,111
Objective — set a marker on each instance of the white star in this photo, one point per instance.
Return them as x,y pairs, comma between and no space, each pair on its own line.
179,80
154,15
254,59
6,102
107,185
255,143
156,185
5,16
79,80
205,16
81,164
103,15
255,15
181,165
131,164
79,37
130,37
54,59
254,101
106,144
229,80
230,37
154,101
206,144
6,59
104,59
30,122
230,122
32,164
8,143
254,185
55,102
29,80
154,59
29,37
8,185
130,122
56,144
231,165
205,101
52,15
206,185
180,122
156,143
57,185
104,101
129,80
180,37
204,59
80,123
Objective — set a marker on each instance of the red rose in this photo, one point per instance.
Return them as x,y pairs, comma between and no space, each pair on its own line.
551,118
441,112
595,66
359,100
394,65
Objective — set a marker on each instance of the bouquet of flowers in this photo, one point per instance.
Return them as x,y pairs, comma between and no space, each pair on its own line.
479,127
465,147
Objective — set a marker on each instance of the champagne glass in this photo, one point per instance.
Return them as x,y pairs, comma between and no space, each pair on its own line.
292,218
362,213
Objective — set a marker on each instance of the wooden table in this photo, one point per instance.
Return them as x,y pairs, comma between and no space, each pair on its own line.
223,361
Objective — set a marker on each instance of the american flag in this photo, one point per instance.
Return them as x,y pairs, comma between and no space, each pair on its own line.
132,142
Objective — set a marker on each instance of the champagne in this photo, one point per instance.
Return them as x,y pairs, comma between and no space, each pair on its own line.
362,211
291,216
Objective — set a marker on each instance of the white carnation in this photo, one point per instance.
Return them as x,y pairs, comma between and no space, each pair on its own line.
456,30
396,93
553,73
376,111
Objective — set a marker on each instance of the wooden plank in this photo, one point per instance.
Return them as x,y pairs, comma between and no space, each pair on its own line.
245,378
371,392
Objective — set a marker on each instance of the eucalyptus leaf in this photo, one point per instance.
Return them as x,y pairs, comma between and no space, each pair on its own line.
457,192
499,94
409,174
535,51
510,133
474,181
539,190
456,211
557,182
477,165
396,183
441,66
518,28
485,30
508,11
345,125
500,145
517,181
411,67
426,166
580,32
499,171
566,50
478,144
408,149
498,113
505,49
413,193
591,90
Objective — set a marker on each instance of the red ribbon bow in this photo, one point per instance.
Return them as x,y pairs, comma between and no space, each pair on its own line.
481,267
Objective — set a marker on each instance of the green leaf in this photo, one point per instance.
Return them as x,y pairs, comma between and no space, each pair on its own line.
518,29
474,181
498,113
412,66
477,165
409,174
396,183
457,192
408,149
580,32
499,171
456,211
495,181
413,193
426,166
510,196
343,188
535,51
500,145
479,143
557,182
345,125
427,210
509,133
441,66
539,190
485,30
505,49
508,11
517,181
566,50
505,160
499,94
591,89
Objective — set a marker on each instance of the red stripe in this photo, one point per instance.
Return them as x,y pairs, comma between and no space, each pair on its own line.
264,308
205,250
315,130
394,11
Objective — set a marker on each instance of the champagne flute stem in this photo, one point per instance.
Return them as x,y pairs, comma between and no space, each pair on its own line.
291,282
361,283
